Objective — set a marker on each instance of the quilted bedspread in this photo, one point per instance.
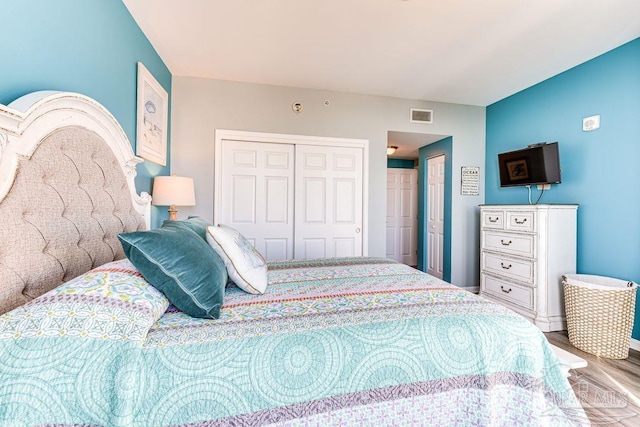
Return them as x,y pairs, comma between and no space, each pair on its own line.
349,342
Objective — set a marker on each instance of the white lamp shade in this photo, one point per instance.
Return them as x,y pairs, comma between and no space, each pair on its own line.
173,190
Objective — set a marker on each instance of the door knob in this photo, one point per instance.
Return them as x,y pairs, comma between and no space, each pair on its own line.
357,229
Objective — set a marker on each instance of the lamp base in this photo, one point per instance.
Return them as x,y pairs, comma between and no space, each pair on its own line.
173,213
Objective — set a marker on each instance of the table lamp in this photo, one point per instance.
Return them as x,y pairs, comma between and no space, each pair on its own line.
173,191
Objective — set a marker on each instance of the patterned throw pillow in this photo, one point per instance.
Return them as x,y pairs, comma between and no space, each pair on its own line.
180,264
245,265
111,302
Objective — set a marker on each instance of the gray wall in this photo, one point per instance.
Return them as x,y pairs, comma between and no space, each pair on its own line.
200,106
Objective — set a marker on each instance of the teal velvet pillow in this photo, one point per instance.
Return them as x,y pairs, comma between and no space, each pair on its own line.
181,265
195,223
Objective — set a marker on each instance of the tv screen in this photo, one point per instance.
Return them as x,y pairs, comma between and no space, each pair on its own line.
537,164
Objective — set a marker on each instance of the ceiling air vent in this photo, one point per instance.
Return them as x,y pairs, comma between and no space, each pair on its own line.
421,116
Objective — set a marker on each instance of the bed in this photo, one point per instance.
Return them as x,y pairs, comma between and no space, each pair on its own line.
85,339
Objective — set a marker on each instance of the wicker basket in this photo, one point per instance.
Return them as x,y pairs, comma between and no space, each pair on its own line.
599,314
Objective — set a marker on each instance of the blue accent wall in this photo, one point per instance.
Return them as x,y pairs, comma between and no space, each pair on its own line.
444,146
89,47
401,163
599,168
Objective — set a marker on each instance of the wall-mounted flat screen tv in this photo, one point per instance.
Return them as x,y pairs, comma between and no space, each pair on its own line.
536,164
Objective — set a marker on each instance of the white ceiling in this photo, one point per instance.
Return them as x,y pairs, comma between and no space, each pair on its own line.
458,51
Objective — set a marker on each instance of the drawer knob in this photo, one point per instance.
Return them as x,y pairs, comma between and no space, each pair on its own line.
506,267
520,221
505,243
494,219
506,291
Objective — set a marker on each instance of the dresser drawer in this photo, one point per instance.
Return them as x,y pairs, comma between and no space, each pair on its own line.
515,244
522,296
520,221
519,269
492,219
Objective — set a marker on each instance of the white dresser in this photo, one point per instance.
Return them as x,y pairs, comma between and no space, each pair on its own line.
524,251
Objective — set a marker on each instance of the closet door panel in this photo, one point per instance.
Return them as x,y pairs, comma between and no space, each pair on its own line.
243,199
328,202
257,194
344,246
276,249
344,201
314,199
277,200
311,247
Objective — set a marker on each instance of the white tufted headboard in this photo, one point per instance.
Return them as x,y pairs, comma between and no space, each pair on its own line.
67,189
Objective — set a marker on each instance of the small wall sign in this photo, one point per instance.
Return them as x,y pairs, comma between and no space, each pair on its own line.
470,181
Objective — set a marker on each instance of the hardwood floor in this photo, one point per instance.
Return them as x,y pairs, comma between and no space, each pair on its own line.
608,389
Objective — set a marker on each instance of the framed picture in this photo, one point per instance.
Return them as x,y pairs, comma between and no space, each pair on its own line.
152,118
470,181
517,169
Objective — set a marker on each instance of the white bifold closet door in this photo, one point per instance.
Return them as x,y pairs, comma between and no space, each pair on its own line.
328,200
257,194
293,201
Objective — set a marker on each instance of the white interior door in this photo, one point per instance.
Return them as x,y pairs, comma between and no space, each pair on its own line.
257,194
328,202
402,215
435,219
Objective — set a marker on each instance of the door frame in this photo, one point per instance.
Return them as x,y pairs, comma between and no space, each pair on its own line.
277,138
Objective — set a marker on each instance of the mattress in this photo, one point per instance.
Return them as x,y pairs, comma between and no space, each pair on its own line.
345,341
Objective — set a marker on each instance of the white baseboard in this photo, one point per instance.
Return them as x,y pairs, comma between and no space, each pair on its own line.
635,344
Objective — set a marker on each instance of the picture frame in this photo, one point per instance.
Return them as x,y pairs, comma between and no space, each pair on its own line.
517,169
152,107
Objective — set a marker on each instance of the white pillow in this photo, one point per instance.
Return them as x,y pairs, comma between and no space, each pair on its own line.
245,265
